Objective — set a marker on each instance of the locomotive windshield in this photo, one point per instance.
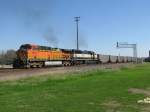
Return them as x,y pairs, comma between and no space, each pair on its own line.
25,47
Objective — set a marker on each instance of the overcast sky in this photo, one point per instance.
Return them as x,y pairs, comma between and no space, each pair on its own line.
51,23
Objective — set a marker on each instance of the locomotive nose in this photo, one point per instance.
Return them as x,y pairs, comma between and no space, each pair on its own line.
22,54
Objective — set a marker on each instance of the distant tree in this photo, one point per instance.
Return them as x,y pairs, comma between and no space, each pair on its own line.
7,57
2,55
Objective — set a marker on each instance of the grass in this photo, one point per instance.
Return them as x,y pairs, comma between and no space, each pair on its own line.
94,91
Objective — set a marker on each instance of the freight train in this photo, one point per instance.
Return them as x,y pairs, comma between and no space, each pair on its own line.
30,56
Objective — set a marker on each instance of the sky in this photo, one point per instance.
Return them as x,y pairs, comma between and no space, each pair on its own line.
51,23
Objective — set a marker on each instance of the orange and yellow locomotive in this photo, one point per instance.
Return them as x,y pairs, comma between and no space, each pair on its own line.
38,56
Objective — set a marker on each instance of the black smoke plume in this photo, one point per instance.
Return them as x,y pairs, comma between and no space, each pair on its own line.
35,16
50,36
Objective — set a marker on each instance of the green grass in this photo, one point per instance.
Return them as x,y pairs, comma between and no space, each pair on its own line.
86,92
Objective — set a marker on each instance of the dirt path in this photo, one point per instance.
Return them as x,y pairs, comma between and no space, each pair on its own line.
13,74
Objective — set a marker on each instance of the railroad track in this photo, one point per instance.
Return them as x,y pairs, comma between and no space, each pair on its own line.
10,74
2,70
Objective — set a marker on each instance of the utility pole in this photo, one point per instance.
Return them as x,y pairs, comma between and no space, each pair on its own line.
77,19
126,45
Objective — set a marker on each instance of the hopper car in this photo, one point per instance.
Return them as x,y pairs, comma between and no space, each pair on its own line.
30,56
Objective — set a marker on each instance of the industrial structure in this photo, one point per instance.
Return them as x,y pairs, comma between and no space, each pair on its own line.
126,45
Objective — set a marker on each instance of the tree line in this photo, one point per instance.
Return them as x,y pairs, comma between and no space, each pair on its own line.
7,57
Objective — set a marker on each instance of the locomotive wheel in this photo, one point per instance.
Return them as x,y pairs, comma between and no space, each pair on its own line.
28,66
40,65
67,63
64,63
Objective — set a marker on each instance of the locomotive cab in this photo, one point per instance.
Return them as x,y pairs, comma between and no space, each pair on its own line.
22,56
22,52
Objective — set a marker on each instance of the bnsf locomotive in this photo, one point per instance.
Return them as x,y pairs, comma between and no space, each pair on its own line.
39,56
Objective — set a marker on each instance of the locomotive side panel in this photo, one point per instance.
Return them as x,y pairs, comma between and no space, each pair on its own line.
47,55
83,56
51,58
